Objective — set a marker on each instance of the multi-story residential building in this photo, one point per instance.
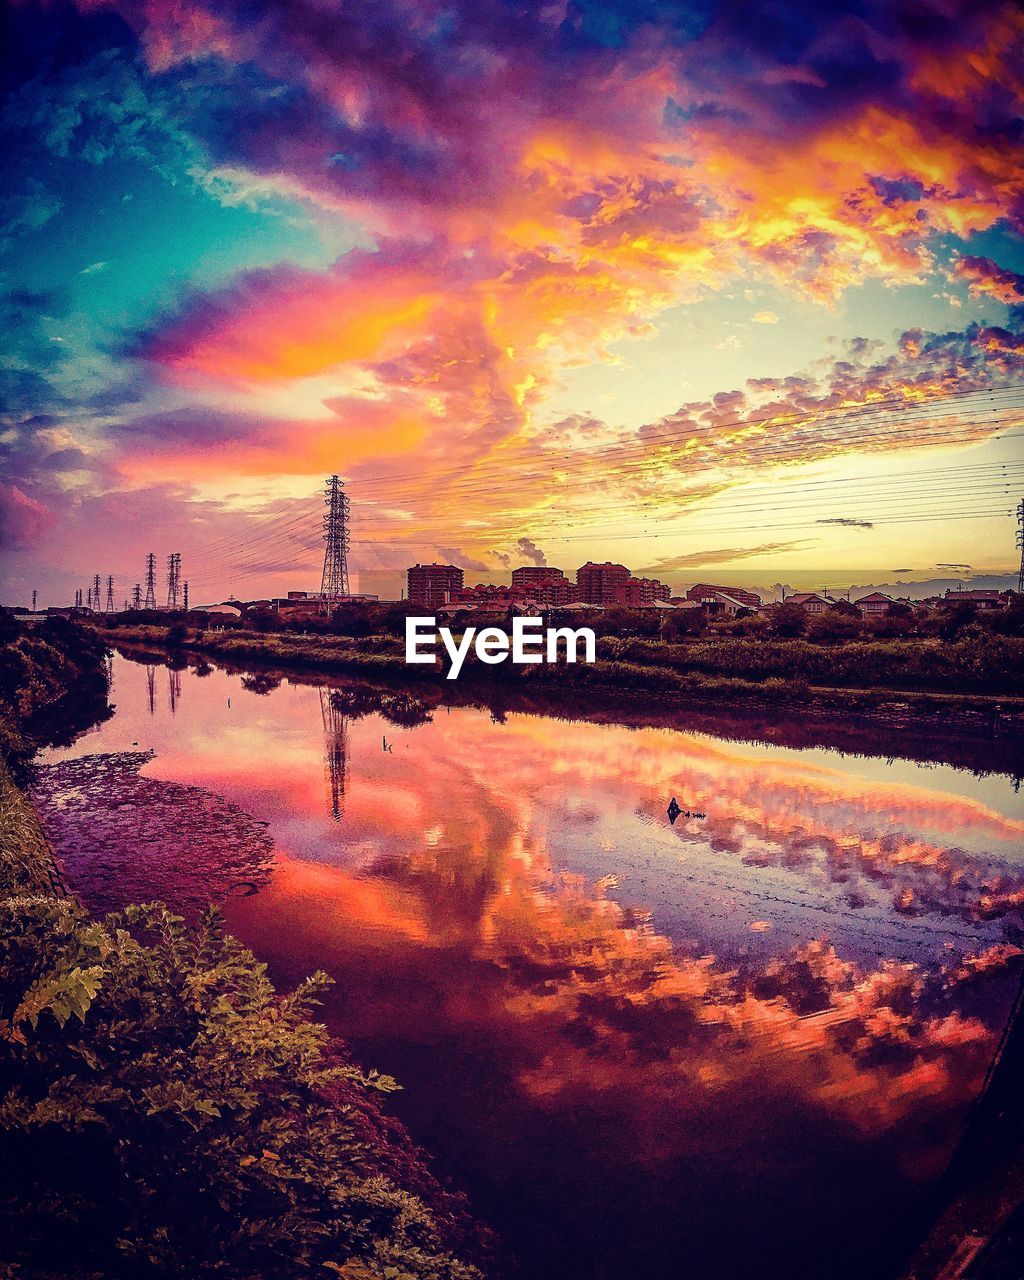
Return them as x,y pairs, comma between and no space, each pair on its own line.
646,591
602,583
546,585
433,584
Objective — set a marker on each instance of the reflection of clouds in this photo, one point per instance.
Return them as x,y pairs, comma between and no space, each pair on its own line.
484,796
863,835
447,904
622,1011
599,1012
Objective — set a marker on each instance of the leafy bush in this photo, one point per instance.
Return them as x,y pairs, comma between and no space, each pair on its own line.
53,683
979,661
786,620
956,620
165,1114
833,624
1006,622
350,620
679,623
10,628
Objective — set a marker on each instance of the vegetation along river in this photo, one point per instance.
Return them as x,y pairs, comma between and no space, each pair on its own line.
745,1042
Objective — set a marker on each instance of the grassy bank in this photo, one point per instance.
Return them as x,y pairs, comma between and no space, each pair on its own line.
979,682
164,1112
27,865
53,684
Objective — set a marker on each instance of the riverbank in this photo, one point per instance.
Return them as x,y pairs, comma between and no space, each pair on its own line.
27,864
53,685
978,1207
163,1110
977,730
405,890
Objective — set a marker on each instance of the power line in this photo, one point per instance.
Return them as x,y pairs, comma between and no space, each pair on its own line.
813,417
298,523
273,534
854,417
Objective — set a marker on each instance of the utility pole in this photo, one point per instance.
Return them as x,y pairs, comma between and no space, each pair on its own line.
334,583
173,578
1020,545
150,582
110,594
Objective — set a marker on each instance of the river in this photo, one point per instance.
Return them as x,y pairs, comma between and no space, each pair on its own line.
740,1043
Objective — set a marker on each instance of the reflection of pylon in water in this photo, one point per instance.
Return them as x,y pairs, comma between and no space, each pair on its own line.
335,751
173,688
151,689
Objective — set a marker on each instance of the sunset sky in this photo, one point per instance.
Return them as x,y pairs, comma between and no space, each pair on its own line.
728,292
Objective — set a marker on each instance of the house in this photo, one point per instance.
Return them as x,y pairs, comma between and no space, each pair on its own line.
485,595
980,599
722,603
875,605
701,591
809,601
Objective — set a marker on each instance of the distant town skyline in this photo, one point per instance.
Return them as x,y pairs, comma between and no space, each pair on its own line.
733,294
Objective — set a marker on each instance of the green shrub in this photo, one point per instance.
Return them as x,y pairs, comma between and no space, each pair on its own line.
53,684
165,1114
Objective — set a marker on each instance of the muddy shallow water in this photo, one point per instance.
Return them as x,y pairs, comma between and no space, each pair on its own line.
741,1043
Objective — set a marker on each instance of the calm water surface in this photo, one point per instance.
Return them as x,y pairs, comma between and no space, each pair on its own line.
741,1044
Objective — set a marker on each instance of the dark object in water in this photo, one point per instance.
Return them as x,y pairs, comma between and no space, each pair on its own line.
674,811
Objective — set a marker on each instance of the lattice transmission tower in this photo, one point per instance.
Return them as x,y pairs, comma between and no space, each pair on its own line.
110,595
150,602
173,579
137,596
1020,545
334,584
96,604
